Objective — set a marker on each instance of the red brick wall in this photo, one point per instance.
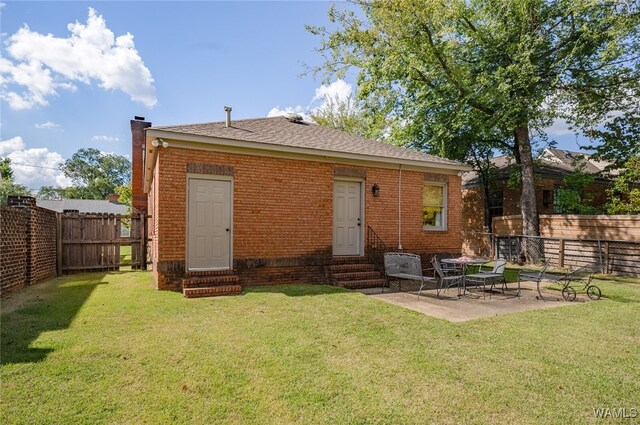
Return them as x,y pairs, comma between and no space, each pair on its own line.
282,207
42,247
381,213
283,214
13,249
28,240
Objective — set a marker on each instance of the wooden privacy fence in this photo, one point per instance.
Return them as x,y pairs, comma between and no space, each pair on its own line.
614,257
572,241
92,242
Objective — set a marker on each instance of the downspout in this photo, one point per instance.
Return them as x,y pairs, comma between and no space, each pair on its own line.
400,209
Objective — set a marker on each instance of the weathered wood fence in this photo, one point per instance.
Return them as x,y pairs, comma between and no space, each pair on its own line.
614,257
92,242
572,241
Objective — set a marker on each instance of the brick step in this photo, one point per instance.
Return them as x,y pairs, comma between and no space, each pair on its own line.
204,273
347,268
348,260
201,282
356,275
361,284
212,291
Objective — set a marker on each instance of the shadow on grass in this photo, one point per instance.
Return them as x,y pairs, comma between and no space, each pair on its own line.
48,306
296,290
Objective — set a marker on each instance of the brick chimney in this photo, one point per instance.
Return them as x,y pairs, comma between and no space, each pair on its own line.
113,197
138,139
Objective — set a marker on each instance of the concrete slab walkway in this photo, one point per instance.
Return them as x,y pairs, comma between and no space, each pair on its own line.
471,306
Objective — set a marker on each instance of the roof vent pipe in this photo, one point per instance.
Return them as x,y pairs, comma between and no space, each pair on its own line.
227,109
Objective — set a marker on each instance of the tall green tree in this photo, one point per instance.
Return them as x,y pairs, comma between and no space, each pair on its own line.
8,186
574,196
5,168
444,69
624,194
94,175
347,115
618,141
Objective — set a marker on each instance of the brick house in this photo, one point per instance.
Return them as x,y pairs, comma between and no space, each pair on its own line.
277,200
482,204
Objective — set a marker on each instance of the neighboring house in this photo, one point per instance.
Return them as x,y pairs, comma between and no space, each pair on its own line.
277,200
97,206
109,206
550,169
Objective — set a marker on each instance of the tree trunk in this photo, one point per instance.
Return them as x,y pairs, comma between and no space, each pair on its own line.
530,249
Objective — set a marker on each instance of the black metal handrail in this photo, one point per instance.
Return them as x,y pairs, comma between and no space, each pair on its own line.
375,249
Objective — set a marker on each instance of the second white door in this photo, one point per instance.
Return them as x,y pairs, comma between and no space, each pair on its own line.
347,225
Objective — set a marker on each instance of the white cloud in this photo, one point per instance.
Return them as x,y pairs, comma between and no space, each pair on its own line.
45,63
34,167
337,91
111,139
38,167
11,145
276,112
47,125
559,127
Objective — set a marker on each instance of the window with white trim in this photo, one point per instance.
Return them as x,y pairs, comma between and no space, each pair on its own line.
434,206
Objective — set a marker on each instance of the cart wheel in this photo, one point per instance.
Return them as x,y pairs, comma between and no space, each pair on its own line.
594,292
569,293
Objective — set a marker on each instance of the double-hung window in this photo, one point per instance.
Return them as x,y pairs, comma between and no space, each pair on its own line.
434,206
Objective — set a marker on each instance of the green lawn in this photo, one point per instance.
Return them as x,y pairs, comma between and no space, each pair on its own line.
125,255
107,348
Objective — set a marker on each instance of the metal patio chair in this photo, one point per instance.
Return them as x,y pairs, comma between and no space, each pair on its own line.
495,276
446,281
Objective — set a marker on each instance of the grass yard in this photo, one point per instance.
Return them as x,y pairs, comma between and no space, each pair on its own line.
107,348
125,255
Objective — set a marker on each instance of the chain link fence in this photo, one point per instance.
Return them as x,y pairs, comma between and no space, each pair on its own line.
614,256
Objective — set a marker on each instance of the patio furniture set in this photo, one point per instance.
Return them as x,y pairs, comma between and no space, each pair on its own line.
446,272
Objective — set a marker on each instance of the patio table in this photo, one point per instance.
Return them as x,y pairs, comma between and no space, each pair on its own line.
465,262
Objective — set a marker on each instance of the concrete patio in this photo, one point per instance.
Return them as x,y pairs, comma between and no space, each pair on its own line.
471,306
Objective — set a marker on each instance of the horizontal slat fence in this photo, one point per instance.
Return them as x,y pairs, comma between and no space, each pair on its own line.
615,257
572,241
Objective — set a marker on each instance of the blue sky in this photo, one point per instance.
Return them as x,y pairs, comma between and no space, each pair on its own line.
181,63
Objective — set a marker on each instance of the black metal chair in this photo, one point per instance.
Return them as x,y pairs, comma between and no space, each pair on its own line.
446,281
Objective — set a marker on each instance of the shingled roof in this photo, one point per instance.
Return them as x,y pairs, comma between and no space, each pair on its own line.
280,131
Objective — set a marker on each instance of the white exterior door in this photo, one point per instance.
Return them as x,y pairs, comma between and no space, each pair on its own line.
347,226
209,224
